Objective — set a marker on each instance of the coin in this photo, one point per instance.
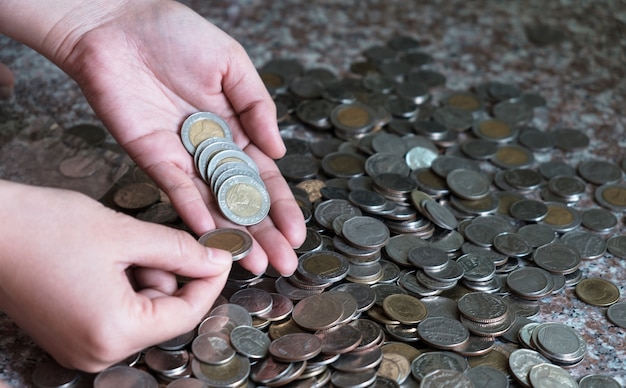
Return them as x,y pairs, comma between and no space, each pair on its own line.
166,362
549,375
482,373
243,200
468,184
230,374
443,332
235,241
530,283
51,374
117,376
494,130
557,258
200,126
617,314
617,246
483,307
444,377
612,196
136,196
404,308
590,381
559,343
597,292
317,312
432,361
295,347
521,361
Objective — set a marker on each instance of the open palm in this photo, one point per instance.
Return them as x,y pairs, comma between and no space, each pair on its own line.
145,71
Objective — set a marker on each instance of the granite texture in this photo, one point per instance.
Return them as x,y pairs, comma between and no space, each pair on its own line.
581,74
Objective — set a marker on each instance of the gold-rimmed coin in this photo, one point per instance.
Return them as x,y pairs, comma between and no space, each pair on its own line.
237,242
404,308
597,292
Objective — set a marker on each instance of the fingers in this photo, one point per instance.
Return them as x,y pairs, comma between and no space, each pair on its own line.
251,101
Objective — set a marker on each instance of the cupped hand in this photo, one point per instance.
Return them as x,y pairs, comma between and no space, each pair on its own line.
147,67
65,276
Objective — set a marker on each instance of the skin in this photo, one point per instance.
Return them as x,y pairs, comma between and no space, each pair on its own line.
144,66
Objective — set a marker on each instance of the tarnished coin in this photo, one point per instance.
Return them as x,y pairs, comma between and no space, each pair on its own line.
295,347
617,314
317,312
235,241
200,126
353,118
79,166
323,266
230,374
494,130
442,332
340,339
406,309
136,196
597,292
243,200
188,382
600,172
513,156
342,164
326,211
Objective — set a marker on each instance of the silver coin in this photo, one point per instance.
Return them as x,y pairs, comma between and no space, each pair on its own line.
599,220
481,234
229,375
212,349
537,234
557,258
521,362
250,341
177,342
589,245
442,332
315,112
52,375
209,148
439,214
512,244
444,377
453,118
554,168
328,210
559,343
535,139
444,164
477,268
600,172
617,246
468,184
432,284
124,376
569,139
432,361
530,283
355,380
616,313
255,300
479,149
428,257
450,273
409,283
229,169
386,163
487,377
570,188
598,381
513,111
166,362
238,315
430,129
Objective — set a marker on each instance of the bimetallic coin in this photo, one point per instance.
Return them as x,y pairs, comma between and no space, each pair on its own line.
513,156
597,292
235,241
243,200
353,118
323,266
494,130
612,196
200,126
561,218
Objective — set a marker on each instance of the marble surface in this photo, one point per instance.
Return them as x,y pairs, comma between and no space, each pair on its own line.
581,75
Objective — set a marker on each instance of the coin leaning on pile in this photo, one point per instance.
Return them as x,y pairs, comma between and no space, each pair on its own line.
232,175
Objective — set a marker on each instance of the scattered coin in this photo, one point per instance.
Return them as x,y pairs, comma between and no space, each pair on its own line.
235,241
597,292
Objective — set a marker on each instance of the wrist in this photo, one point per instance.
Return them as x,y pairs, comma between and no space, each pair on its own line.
54,27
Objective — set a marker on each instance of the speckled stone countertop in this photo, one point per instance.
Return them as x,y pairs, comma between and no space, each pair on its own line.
582,76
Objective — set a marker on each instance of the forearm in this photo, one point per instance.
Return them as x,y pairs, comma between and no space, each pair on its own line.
52,27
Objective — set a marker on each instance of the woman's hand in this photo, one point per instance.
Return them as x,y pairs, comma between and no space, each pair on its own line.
64,276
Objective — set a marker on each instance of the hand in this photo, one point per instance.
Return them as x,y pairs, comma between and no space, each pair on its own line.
149,65
63,278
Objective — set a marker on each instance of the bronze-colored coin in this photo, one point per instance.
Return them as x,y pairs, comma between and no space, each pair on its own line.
404,308
340,339
80,166
597,292
612,196
353,118
317,312
295,347
136,196
395,367
561,217
312,188
236,241
323,266
513,156
495,130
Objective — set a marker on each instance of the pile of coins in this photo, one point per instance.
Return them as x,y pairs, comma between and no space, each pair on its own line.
433,236
230,173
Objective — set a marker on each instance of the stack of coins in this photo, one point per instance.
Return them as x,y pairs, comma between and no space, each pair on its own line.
232,175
